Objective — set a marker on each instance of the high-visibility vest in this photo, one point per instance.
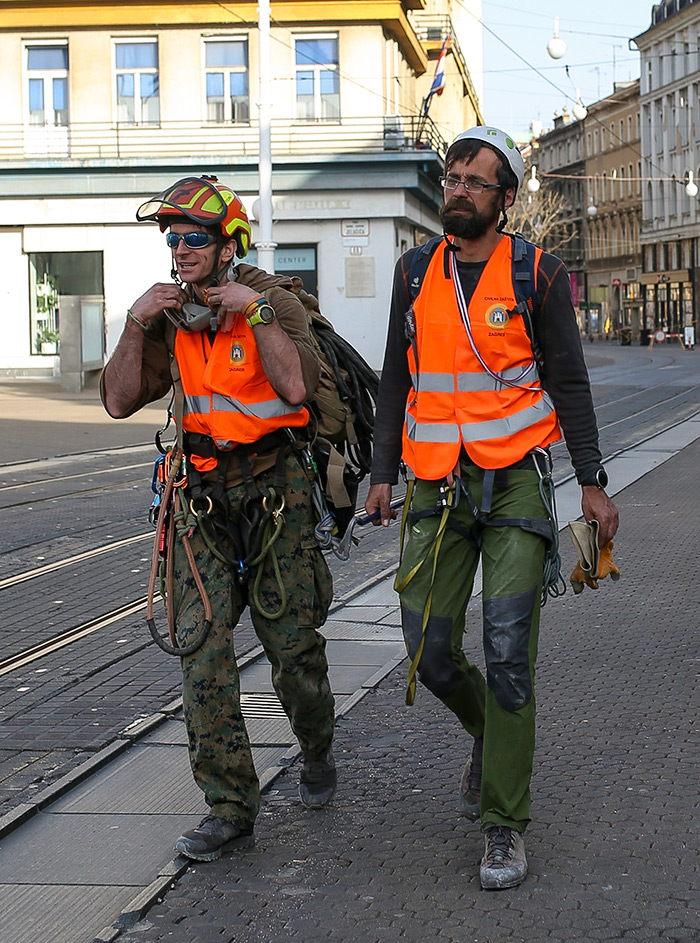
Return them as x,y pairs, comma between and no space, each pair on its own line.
454,401
226,393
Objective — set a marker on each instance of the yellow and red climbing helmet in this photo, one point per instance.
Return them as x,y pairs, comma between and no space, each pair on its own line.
204,201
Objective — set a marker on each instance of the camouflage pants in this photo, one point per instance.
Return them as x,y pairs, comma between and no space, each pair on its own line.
220,753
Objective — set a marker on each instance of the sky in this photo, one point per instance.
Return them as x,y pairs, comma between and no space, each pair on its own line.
515,37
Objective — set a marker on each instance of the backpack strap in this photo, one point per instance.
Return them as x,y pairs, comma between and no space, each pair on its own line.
525,284
416,274
419,266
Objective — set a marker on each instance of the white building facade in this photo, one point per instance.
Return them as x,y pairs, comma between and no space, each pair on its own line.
103,106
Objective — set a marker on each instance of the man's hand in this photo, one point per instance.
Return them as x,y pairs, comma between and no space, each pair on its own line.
156,299
597,506
228,300
379,499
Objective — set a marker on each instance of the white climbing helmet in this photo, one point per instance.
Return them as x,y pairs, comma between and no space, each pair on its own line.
502,142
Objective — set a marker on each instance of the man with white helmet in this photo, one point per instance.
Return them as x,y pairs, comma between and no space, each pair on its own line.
475,386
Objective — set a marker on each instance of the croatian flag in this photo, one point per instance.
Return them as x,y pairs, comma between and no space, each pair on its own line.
438,85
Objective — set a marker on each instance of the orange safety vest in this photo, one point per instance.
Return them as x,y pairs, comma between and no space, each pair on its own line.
455,402
226,393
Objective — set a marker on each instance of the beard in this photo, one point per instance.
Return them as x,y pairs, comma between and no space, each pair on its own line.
460,218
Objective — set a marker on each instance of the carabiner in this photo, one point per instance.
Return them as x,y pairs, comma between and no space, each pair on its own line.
449,495
209,507
537,451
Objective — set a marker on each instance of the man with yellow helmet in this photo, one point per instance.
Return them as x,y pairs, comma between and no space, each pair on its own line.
233,340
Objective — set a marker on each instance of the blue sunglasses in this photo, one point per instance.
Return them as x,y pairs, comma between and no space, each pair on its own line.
193,240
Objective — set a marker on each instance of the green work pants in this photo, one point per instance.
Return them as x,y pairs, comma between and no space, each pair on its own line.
220,753
500,708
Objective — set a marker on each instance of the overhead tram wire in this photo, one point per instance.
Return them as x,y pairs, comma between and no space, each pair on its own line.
614,134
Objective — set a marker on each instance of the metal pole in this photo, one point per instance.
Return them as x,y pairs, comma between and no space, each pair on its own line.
265,245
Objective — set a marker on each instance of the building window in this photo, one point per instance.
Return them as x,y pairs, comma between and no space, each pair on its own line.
136,70
47,85
317,81
226,70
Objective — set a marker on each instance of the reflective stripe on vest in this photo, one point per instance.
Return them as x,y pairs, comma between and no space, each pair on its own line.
455,402
218,403
471,382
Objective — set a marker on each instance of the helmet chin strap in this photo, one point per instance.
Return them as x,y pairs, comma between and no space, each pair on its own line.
504,222
214,279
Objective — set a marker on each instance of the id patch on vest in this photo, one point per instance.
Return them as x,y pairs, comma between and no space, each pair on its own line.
497,316
238,355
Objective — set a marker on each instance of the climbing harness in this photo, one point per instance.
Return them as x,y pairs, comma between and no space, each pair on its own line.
184,502
448,501
168,514
450,494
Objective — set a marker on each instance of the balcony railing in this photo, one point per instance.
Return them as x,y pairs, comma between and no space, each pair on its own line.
175,139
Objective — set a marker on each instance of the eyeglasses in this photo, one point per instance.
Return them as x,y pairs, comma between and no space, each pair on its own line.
452,181
193,240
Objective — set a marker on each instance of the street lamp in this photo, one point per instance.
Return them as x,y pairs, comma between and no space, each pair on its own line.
691,187
579,110
556,47
533,183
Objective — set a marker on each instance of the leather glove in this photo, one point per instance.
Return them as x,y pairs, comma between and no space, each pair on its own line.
593,564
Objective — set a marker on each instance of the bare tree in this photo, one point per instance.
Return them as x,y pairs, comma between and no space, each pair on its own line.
543,217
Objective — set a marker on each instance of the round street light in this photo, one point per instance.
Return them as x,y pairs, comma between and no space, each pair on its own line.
533,183
592,209
579,110
556,47
691,188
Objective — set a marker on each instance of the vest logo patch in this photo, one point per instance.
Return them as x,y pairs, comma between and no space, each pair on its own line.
237,353
498,316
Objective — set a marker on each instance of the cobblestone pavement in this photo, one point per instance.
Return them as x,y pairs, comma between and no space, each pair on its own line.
613,846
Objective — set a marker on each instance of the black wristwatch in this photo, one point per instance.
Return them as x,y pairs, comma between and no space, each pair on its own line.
598,480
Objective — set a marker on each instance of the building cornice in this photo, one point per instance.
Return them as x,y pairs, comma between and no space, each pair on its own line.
52,15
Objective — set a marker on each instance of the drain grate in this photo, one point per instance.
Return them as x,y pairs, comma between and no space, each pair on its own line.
261,705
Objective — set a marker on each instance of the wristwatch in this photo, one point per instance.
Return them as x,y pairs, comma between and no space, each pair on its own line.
259,312
599,480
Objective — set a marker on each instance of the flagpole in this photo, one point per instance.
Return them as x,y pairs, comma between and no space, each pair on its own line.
436,88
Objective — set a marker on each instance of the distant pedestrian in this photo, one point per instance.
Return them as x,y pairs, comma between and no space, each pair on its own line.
234,343
461,401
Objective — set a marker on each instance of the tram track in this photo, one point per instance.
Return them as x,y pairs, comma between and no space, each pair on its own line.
28,655
69,561
74,634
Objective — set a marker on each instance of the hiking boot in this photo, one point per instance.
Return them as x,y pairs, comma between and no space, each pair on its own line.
317,781
504,863
212,837
470,786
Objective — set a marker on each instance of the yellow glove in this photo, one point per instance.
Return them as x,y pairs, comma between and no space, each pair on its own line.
606,567
593,564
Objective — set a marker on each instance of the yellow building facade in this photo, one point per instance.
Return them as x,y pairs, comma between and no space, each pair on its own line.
103,104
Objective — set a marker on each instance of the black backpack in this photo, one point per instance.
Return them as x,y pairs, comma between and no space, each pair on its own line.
342,423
